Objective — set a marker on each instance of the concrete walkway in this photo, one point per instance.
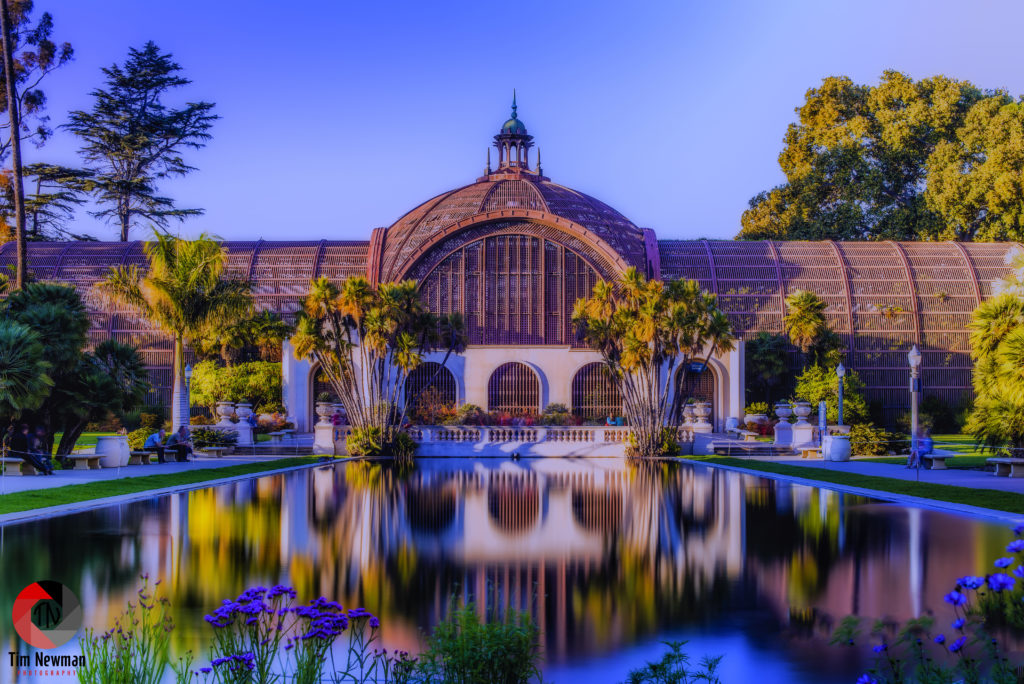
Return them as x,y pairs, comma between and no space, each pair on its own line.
22,483
975,479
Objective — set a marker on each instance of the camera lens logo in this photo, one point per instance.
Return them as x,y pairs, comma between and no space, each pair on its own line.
47,614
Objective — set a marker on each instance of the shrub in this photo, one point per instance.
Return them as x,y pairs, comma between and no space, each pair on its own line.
868,440
200,420
205,437
153,418
257,383
471,414
818,383
464,649
758,407
265,425
556,414
364,441
674,666
404,447
137,438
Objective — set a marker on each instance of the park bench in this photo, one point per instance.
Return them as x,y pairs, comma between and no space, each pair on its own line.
810,452
214,450
12,466
140,457
936,460
275,437
1007,467
84,461
745,435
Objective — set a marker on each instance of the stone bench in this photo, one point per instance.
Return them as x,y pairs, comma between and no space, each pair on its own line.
84,461
141,457
745,435
1007,467
936,460
810,452
16,466
275,437
214,451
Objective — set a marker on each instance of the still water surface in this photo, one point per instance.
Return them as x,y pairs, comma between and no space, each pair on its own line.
610,557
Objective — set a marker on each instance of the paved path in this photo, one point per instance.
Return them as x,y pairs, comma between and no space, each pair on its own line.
21,483
976,479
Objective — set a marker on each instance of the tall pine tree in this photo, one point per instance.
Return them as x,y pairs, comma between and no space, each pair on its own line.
132,140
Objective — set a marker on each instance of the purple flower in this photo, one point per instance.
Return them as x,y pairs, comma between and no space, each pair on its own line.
957,645
866,679
280,590
941,639
958,623
358,613
374,623
971,582
1003,562
955,598
1019,529
206,670
1016,546
880,648
1000,581
1019,571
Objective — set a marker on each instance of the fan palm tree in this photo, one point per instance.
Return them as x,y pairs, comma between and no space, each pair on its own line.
997,345
805,319
184,293
24,383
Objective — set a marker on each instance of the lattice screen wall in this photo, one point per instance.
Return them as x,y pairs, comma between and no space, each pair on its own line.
426,376
883,297
594,393
515,388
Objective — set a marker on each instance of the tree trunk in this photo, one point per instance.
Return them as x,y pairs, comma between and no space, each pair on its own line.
179,395
124,217
12,111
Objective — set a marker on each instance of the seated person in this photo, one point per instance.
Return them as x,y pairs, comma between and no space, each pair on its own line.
155,442
180,443
37,452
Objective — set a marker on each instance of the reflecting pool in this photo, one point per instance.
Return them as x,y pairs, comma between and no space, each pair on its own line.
610,557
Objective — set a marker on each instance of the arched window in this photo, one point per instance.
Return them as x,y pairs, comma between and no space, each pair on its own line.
594,393
513,387
430,382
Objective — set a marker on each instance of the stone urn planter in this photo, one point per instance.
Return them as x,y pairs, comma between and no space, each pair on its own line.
688,415
836,447
755,418
113,451
243,411
324,409
225,409
802,409
783,410
702,410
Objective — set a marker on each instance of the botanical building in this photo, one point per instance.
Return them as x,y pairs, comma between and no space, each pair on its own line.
512,252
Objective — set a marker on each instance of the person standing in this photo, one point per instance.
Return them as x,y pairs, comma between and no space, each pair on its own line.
180,444
155,442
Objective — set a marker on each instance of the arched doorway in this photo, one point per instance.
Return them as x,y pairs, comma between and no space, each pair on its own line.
696,385
513,388
429,388
595,395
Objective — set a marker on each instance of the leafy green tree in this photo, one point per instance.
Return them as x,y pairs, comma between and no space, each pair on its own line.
1013,282
643,329
256,382
367,340
857,161
24,379
820,383
183,293
29,54
808,328
132,140
997,345
766,364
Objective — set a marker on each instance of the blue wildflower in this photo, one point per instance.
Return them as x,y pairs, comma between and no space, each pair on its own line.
1016,546
1019,529
971,582
374,623
941,639
1019,571
957,645
880,648
1000,581
1003,562
206,670
866,679
958,623
955,598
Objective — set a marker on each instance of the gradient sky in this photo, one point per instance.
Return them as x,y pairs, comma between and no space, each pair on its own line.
341,116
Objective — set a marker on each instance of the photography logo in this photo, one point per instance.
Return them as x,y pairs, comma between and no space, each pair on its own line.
47,614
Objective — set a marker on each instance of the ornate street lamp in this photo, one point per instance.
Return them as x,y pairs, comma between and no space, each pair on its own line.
914,357
840,373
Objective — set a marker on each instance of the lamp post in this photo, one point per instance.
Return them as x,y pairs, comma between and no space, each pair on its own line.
188,394
840,373
914,357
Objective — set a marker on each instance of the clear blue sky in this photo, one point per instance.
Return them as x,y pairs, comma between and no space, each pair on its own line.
341,116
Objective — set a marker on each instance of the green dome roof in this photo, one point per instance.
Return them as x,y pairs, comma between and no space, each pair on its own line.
514,125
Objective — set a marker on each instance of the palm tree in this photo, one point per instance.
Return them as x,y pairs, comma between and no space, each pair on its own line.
997,345
183,293
805,319
24,383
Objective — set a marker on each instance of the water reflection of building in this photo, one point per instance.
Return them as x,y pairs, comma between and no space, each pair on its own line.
602,552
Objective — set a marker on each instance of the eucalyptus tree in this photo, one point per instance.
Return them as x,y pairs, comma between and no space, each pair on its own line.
132,140
184,293
643,330
367,340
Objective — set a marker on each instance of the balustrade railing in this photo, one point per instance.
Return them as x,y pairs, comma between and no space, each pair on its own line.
559,434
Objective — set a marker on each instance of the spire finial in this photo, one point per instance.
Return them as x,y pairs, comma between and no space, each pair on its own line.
487,171
514,103
540,171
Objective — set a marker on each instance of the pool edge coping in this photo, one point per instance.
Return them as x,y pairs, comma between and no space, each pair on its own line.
920,502
89,504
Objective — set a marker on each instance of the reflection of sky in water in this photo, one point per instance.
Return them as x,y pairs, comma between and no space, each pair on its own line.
611,558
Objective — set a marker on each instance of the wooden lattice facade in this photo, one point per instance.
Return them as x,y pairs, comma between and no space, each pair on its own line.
430,381
513,388
594,393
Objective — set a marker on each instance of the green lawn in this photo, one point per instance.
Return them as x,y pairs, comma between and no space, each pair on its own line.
983,498
969,454
42,498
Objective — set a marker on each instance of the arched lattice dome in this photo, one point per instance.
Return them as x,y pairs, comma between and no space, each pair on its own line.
503,197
